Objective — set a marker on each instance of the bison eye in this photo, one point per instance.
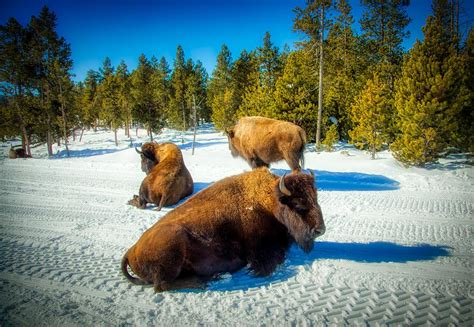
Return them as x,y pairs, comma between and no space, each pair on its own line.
300,210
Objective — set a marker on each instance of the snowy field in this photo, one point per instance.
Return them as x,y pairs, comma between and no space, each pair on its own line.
398,247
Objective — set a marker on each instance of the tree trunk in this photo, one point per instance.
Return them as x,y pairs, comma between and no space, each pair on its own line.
63,114
49,139
195,123
184,119
320,96
115,134
25,140
82,132
127,131
28,147
24,135
150,133
136,132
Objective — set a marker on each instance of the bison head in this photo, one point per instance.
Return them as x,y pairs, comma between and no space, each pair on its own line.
148,156
231,138
298,209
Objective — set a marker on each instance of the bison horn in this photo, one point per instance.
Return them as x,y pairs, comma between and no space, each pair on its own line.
313,175
282,186
138,151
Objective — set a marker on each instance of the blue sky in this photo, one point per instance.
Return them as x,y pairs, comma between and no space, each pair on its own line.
123,29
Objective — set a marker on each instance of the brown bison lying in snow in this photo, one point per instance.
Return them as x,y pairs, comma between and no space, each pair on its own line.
250,218
17,153
262,141
167,181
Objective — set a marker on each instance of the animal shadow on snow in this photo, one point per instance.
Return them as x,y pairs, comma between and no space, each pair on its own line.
348,181
374,252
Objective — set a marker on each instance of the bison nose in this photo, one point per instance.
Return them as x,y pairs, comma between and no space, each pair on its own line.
319,231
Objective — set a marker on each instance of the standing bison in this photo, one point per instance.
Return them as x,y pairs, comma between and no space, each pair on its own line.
262,141
167,181
249,219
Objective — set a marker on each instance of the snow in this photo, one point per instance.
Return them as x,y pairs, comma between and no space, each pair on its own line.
398,247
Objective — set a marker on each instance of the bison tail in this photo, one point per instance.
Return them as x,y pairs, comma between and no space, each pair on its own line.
302,157
303,142
303,136
125,272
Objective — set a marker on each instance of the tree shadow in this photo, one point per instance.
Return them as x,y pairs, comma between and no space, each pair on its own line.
374,252
189,145
349,181
85,153
452,161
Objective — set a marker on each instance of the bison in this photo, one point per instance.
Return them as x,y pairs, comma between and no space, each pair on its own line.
261,141
167,181
248,219
17,153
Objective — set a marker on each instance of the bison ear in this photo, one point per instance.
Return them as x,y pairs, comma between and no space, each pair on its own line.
230,132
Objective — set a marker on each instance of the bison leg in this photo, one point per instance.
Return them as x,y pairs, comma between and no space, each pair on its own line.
137,202
257,162
266,257
293,160
160,204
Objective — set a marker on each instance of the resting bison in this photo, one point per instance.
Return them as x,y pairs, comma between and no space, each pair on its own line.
262,141
167,181
248,219
17,153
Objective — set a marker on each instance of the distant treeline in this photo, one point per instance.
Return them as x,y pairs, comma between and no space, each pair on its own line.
337,84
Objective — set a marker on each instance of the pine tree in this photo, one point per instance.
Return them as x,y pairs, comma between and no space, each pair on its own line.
223,117
195,94
124,95
90,101
268,57
179,113
344,71
242,70
161,91
258,99
143,93
428,97
111,110
295,100
466,115
313,21
370,115
16,72
331,138
383,24
51,56
223,114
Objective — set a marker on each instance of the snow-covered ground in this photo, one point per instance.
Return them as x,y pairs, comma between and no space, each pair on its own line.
398,247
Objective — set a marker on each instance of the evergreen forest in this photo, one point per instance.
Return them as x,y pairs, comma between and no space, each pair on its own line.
338,84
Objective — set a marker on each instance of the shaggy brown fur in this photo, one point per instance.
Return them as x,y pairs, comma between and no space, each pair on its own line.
17,153
167,181
240,220
262,141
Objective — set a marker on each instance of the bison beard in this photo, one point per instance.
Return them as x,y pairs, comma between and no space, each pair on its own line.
249,219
